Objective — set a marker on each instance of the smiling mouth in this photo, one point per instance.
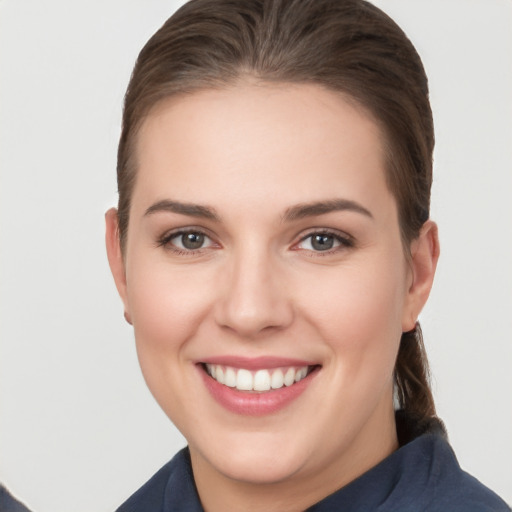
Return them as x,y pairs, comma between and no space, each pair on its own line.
259,381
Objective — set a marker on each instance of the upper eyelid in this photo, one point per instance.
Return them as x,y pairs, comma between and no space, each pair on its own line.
187,229
305,234
325,231
345,241
167,236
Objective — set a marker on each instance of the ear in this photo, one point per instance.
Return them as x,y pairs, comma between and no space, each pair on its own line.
423,263
115,257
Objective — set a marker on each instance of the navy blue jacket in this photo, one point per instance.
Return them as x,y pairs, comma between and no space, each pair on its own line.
423,475
8,503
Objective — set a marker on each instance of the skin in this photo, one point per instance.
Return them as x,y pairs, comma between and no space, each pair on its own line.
258,287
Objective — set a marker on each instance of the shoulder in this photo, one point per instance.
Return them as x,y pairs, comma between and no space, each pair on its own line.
170,488
472,496
8,503
458,491
423,475
437,481
443,485
150,495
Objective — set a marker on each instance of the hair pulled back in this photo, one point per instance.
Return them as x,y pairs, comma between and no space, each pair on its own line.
349,46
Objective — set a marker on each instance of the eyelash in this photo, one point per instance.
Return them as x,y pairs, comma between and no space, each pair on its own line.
165,241
345,242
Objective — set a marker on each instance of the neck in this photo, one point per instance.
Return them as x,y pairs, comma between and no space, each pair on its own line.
218,492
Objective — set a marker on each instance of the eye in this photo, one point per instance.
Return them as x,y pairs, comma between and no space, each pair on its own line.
186,241
324,242
190,241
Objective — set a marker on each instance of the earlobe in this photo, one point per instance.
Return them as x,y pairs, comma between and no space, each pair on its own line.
115,256
424,257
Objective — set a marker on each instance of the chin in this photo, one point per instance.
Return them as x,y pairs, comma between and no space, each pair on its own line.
257,461
260,468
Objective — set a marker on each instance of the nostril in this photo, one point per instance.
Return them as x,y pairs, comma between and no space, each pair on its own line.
253,318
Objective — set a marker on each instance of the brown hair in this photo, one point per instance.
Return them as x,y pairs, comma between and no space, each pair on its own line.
348,46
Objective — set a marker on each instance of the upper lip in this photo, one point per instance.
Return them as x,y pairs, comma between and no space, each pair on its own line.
256,363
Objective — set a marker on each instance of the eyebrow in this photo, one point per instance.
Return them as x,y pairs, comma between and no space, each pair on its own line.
302,211
297,212
192,210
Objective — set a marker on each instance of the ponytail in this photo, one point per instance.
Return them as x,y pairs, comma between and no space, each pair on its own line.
412,377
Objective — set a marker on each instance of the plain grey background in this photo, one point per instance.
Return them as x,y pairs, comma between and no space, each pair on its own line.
78,429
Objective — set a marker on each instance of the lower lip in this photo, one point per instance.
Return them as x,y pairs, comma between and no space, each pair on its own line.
255,403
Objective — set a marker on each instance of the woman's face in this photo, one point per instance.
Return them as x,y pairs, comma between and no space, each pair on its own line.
264,248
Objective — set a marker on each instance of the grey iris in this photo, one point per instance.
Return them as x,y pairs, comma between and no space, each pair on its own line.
322,242
192,240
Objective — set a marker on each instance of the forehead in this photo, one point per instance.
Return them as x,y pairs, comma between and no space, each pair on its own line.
288,142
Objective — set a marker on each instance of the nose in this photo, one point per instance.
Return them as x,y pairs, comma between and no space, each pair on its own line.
253,297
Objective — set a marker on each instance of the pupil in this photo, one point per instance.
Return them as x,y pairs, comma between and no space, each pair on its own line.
192,240
322,242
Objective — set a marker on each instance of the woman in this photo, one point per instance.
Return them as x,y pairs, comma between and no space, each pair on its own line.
273,250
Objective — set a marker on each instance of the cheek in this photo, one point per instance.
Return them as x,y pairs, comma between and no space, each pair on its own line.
358,311
166,306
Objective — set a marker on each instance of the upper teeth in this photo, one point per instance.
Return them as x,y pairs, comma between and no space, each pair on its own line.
260,380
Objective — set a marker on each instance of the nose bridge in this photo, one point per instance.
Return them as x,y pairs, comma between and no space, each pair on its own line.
253,297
